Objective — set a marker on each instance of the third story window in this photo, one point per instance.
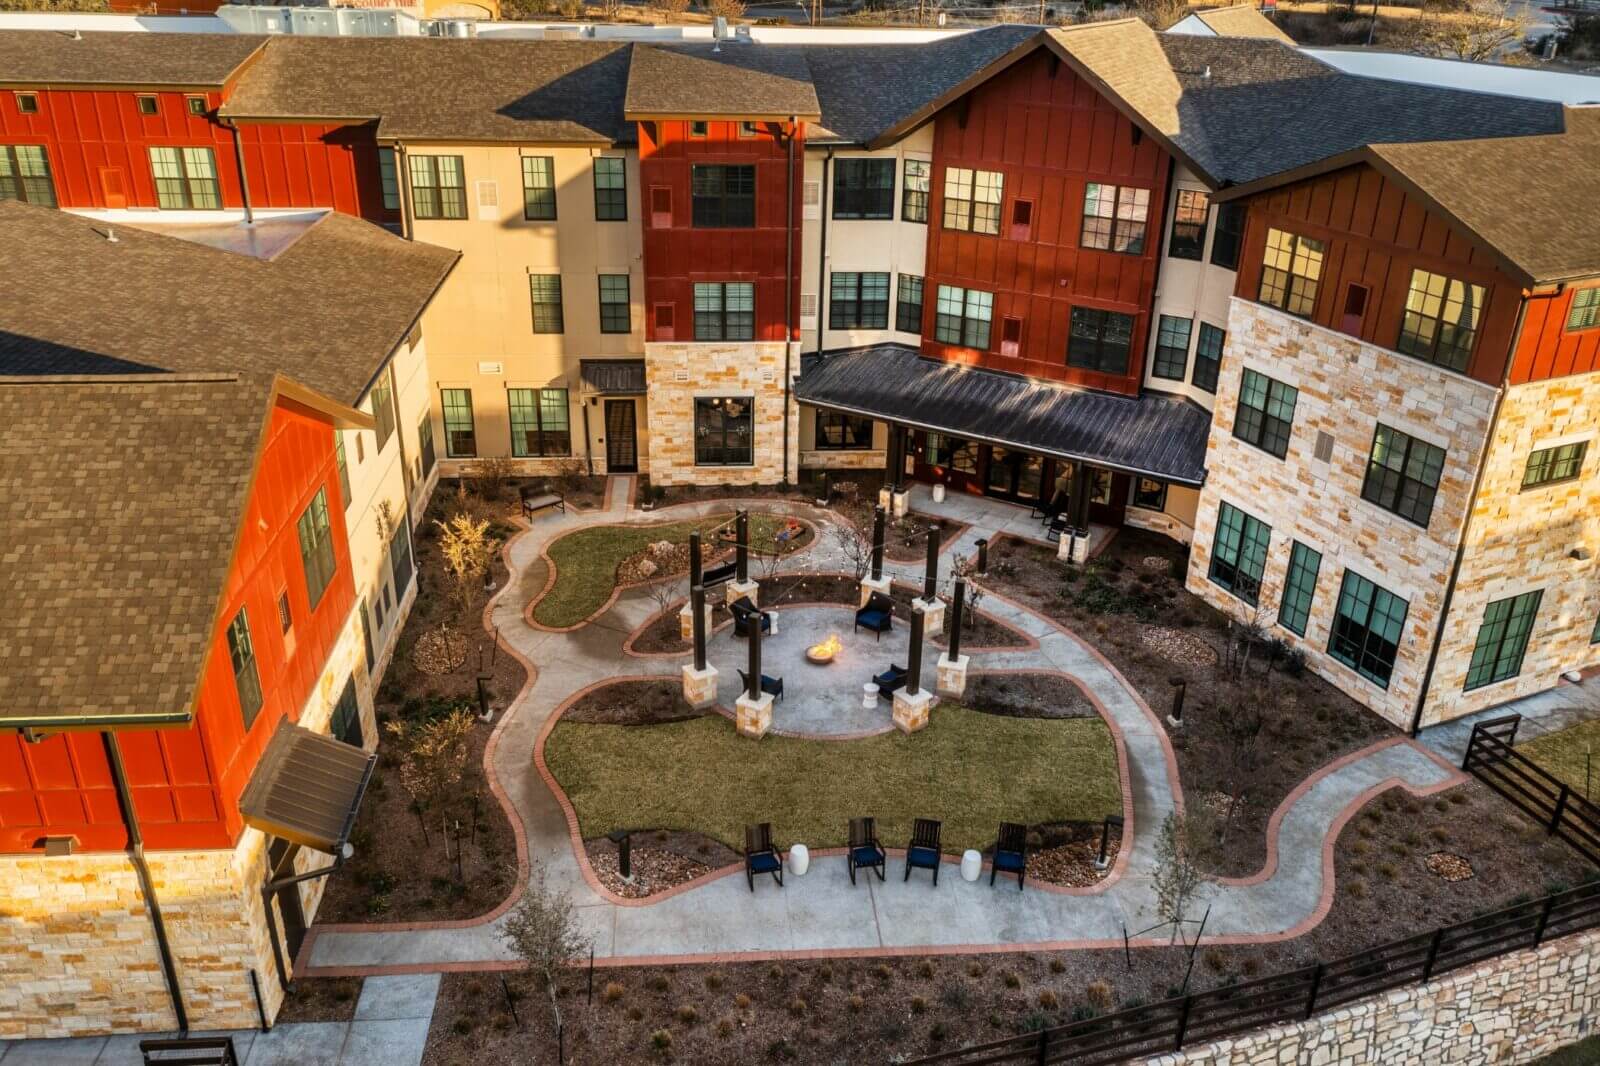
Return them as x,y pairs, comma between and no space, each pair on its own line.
460,439
1367,627
1228,236
1441,319
1208,357
724,196
246,679
383,405
388,179
972,199
1403,474
722,431
610,189
1266,413
1291,267
838,431
540,422
863,188
1503,639
538,188
1585,311
908,304
914,195
724,311
1239,552
1189,225
858,301
963,317
1550,465
316,547
1100,340
1172,348
1299,586
546,293
615,304
438,186
1114,219
425,445
186,178
25,175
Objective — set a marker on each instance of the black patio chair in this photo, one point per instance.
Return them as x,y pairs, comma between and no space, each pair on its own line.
865,851
1048,509
714,576
1011,852
877,614
923,851
772,686
1058,525
743,612
760,856
890,680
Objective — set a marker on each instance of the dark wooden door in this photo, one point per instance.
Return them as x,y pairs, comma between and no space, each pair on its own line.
622,443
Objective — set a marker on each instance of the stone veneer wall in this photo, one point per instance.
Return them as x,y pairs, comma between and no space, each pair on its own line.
1522,541
1511,1010
676,374
1346,388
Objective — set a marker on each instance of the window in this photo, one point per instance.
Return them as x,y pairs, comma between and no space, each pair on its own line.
383,405
196,104
1150,494
1100,340
438,186
25,175
1207,357
863,188
698,129
28,103
1021,219
1367,627
316,547
1189,225
540,422
425,444
747,129
147,105
1441,319
837,431
186,178
724,197
344,469
1239,552
1229,235
724,311
1585,313
1291,268
914,192
1503,639
1550,465
610,189
952,453
538,188
246,680
963,317
1299,586
722,431
1115,219
615,305
346,722
858,301
1266,413
285,618
1172,348
908,304
545,291
1403,474
460,441
972,199
388,179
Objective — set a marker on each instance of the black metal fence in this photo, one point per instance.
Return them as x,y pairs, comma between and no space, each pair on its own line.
1492,759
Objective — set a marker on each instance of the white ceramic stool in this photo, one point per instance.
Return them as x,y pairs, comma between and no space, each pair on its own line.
869,695
971,865
799,859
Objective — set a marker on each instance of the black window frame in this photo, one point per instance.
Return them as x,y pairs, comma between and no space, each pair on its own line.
432,200
383,415
401,564
1305,565
538,188
147,104
613,320
18,184
459,443
1268,424
1162,365
1090,344
1207,368
839,431
719,323
532,435
1585,310
246,674
863,188
545,303
721,439
1282,286
716,202
1147,498
908,313
1116,233
1416,320
1232,565
1501,646
1398,488
27,103
610,200
345,724
318,560
389,178
848,305
969,214
1227,236
1554,465
427,453
916,184
965,330
1352,641
1188,237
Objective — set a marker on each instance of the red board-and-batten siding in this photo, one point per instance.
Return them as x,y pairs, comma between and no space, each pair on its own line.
677,254
1051,134
186,781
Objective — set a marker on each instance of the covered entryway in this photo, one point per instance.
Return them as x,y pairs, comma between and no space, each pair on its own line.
622,438
611,388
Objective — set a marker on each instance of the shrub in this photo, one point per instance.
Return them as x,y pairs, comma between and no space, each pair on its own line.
825,974
925,968
883,972
1215,959
918,1005
462,1026
660,983
611,992
775,972
635,1014
975,970
938,1032
856,1003
688,1015
1057,966
797,1006
1388,871
661,1040
1100,994
741,1001
713,981
725,1028
1011,979
1048,1000
1358,889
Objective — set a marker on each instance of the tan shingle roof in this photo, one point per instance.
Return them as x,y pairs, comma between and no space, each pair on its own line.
39,58
1242,20
735,79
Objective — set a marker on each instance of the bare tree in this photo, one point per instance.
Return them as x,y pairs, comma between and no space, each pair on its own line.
854,545
1179,874
728,9
1485,30
1160,14
663,594
1242,717
543,931
433,756
492,474
673,9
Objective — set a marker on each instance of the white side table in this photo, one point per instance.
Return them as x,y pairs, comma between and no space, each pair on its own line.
971,865
799,859
869,695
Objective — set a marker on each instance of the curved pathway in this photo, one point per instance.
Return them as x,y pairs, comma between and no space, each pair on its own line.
821,913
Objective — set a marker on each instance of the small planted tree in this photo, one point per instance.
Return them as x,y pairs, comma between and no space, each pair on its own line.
543,931
854,545
468,549
433,757
1179,873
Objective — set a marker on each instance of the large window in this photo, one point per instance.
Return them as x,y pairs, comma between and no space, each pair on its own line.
972,199
400,565
1403,474
425,444
1208,357
246,678
724,196
388,179
25,175
1441,319
1100,340
1367,627
538,188
1172,348
1115,219
722,431
615,316
610,189
724,311
1585,313
545,292
383,405
1189,225
1239,552
837,431
1547,466
908,304
863,188
1503,639
316,547
1299,586
914,192
346,722
186,178
344,467
460,439
858,301
963,316
1291,268
952,453
1266,413
438,186
1229,235
540,422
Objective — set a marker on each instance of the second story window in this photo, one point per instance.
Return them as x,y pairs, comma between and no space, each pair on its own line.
246,678
1585,312
545,290
724,311
972,199
615,305
1172,348
610,189
914,192
1441,319
724,196
908,304
438,187
1228,236
383,405
1547,466
538,188
1099,340
1403,474
460,437
1239,552
25,175
1189,225
858,301
27,104
540,422
316,547
963,317
1291,267
1207,357
186,178
148,105
863,188
1115,219
1368,624
1266,413
388,179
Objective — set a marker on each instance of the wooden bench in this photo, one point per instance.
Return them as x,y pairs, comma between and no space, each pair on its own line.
201,1051
532,504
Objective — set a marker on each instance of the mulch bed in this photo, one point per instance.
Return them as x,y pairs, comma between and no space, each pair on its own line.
320,999
1027,696
1065,855
905,539
653,702
660,859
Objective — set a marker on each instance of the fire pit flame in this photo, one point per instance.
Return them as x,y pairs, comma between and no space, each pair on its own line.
824,652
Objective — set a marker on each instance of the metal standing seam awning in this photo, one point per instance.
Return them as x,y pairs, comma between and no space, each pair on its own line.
307,788
613,377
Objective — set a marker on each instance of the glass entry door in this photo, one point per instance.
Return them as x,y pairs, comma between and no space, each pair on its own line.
1013,475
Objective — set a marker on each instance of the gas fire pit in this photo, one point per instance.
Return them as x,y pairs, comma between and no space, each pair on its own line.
823,653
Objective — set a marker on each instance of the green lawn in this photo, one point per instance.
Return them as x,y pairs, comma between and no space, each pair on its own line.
1583,1053
1562,753
967,769
586,561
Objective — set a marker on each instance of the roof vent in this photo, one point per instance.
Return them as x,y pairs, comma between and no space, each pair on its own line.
111,235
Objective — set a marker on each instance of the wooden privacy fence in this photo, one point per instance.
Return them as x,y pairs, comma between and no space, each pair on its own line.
1529,787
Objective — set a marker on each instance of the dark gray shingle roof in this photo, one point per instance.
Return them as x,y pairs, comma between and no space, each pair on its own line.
734,78
615,376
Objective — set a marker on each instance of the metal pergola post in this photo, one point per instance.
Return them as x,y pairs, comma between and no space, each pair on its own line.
930,577
697,604
958,603
741,548
696,571
914,663
878,521
753,686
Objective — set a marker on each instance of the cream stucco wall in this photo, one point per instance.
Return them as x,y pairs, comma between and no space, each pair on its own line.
1188,289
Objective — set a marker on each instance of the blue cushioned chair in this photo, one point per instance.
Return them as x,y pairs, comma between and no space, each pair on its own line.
1011,852
923,850
760,856
772,686
743,613
890,680
865,851
877,614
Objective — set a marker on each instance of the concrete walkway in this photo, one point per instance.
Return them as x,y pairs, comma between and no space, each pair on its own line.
1544,712
822,912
